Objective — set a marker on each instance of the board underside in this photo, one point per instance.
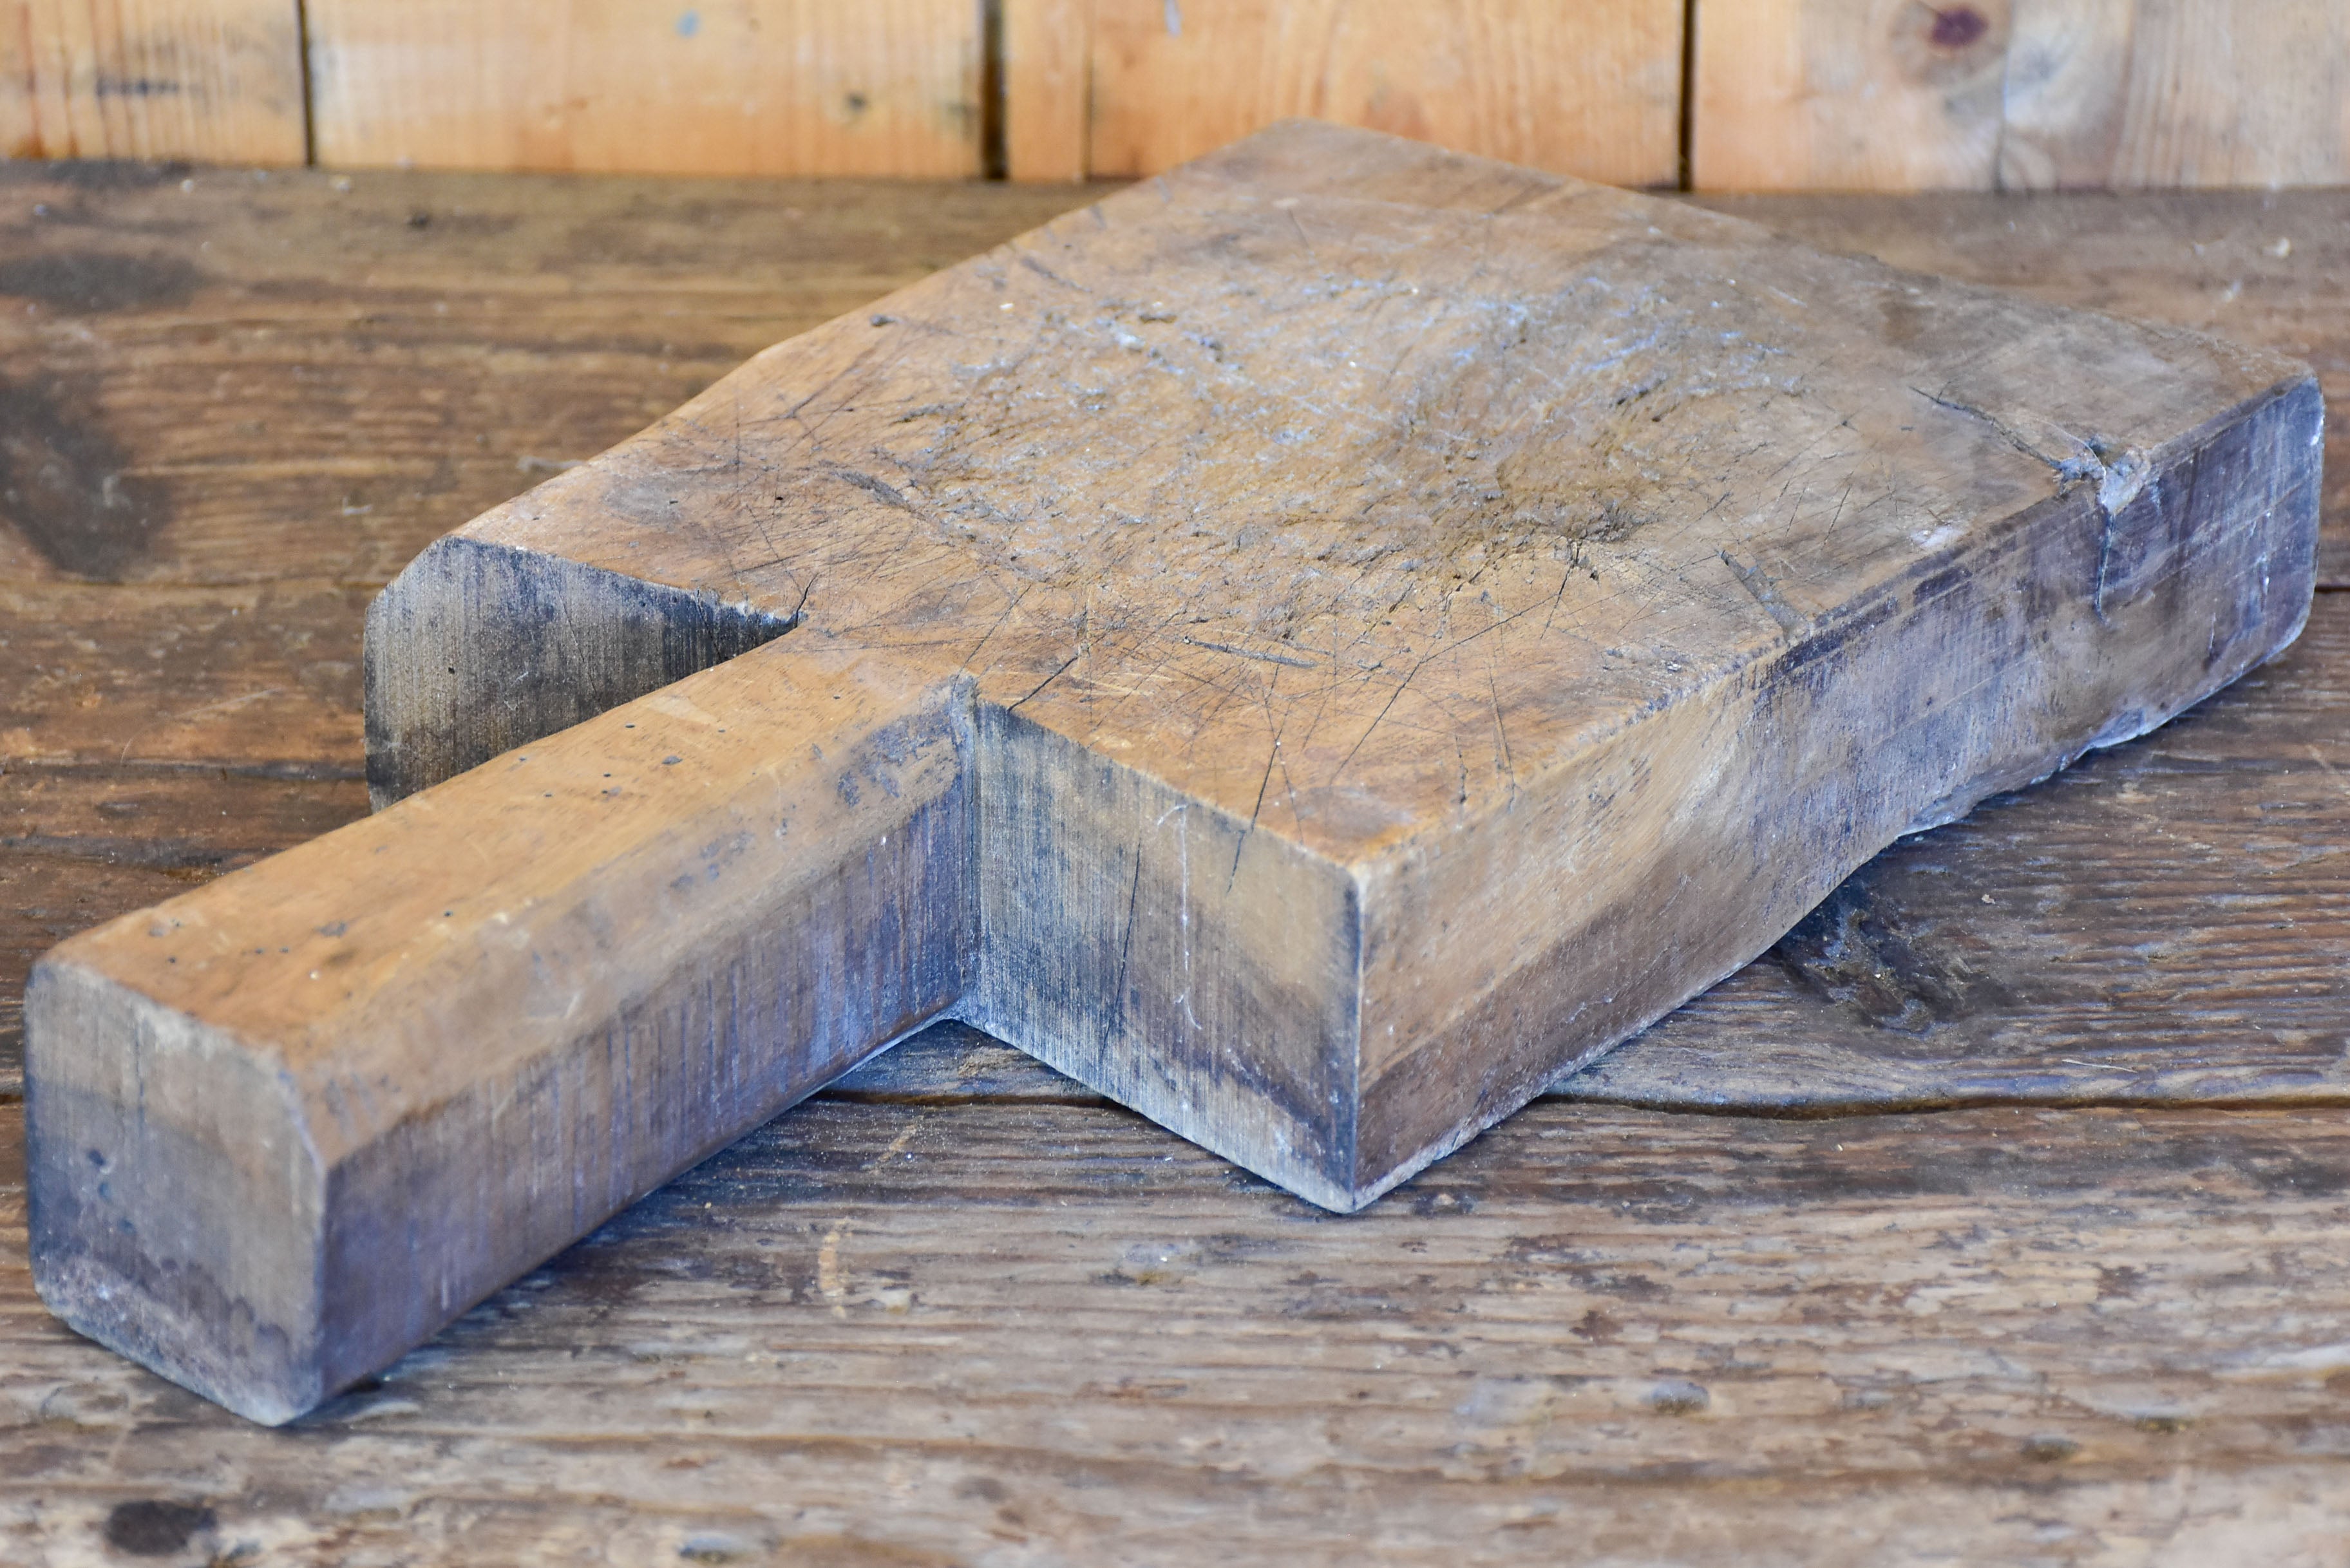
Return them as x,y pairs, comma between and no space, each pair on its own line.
1428,617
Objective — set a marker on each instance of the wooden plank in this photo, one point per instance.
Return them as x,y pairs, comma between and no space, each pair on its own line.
219,80
259,679
2167,93
946,1332
1047,87
1846,95
770,87
1588,90
1877,95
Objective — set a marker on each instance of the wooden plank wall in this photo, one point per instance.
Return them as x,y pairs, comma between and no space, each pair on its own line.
1983,95
710,87
1135,86
1780,94
214,79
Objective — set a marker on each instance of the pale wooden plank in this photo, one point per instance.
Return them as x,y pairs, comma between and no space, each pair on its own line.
2132,94
1869,95
1047,87
770,87
1887,94
893,1334
1591,90
219,80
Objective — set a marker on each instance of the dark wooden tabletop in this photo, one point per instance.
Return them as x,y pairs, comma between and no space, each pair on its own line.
1995,1216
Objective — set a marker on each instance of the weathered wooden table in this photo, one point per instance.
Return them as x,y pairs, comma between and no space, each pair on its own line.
1997,1215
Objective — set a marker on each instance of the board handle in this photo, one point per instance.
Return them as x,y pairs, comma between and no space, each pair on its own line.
284,1127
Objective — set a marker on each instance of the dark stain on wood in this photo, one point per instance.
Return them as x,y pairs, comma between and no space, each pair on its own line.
1852,953
92,283
65,486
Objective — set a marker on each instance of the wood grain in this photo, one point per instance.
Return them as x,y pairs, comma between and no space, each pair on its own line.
1589,90
1571,614
1856,95
962,1328
2252,266
2205,958
1047,88
770,87
214,79
313,376
2019,95
2167,93
361,419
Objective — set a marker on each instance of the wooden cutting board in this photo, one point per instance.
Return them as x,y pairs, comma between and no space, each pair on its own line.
1314,645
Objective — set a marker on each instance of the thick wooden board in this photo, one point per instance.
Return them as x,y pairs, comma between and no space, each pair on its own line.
1592,91
214,79
2066,530
959,1329
773,87
1572,602
1795,95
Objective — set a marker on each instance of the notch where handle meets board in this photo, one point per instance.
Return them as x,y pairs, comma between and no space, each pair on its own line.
284,1127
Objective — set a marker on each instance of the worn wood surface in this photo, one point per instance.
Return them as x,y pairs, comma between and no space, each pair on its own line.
1924,1403
772,87
1608,485
2249,266
1592,91
2019,95
216,79
959,1328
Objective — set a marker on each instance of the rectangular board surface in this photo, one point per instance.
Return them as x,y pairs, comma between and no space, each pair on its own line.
1393,624
1566,587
